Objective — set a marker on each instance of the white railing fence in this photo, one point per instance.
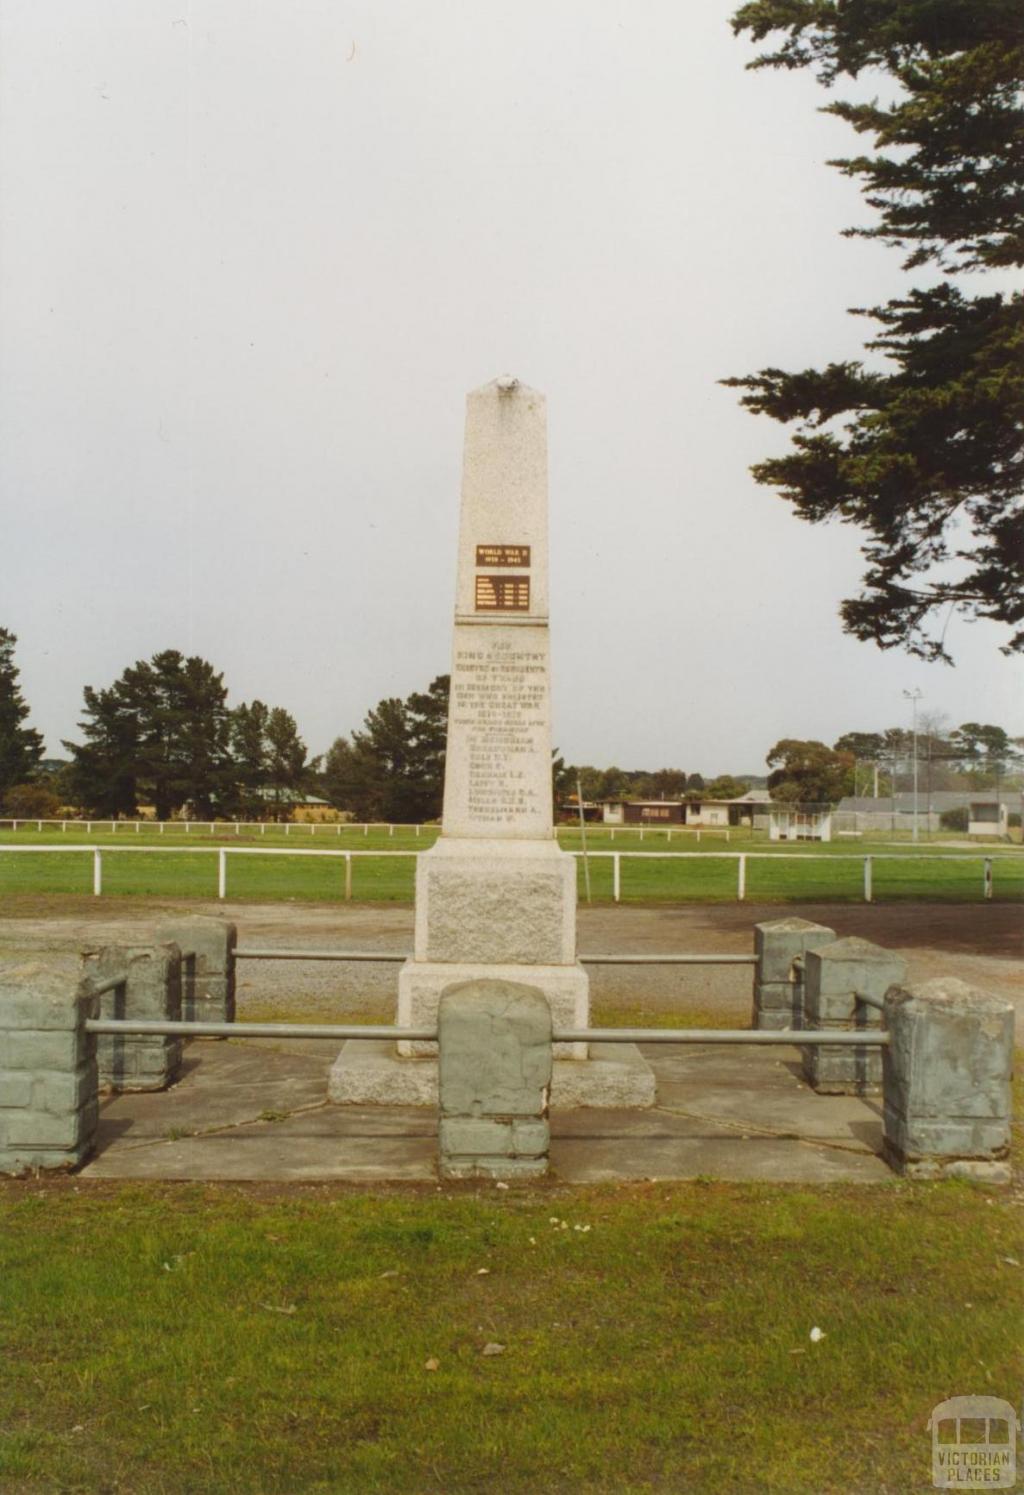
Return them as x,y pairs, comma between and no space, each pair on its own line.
741,859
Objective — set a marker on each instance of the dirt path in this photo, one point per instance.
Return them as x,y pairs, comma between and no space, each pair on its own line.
980,944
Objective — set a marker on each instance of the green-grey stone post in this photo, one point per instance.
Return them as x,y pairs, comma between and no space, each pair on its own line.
946,1077
778,981
836,977
150,990
207,948
494,1042
49,1105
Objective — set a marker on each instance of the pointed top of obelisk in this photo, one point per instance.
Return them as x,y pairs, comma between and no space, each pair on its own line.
505,385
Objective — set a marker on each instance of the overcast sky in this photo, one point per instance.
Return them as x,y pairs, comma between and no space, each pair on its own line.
253,256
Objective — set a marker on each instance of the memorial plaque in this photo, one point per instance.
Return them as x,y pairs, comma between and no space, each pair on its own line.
503,555
502,594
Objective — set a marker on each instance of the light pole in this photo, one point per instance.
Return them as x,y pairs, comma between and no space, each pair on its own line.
913,696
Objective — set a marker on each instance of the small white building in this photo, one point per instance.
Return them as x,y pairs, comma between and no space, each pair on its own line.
988,817
799,823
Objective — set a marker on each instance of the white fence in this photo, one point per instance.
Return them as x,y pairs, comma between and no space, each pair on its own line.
224,827
242,828
741,858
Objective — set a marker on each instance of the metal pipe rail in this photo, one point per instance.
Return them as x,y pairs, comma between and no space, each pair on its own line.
396,957
378,955
669,960
803,1037
100,988
336,1031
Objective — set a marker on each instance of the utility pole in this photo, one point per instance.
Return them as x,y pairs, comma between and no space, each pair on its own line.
913,696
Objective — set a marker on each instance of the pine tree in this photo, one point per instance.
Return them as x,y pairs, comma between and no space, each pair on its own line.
924,456
249,754
287,767
21,747
393,769
159,735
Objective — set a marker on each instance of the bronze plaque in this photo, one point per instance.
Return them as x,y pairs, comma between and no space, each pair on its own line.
503,555
503,594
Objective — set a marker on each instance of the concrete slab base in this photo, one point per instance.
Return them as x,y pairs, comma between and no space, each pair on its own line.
374,1074
249,1111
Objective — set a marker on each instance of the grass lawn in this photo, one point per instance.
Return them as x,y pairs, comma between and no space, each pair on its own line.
200,1340
792,873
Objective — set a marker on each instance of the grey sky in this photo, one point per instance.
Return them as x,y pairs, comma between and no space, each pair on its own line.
253,256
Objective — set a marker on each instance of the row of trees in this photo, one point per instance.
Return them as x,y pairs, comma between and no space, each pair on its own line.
163,735
972,757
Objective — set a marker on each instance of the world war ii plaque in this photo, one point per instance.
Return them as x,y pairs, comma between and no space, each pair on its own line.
502,594
503,555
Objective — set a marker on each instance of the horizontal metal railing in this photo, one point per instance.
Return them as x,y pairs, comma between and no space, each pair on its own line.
396,957
336,1031
384,956
802,1037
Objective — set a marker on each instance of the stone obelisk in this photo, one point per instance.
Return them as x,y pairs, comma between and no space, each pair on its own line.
495,895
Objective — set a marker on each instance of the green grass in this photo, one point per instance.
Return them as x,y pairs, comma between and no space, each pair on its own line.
197,1340
796,872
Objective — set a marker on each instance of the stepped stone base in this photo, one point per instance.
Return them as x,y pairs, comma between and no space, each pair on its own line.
616,1076
421,982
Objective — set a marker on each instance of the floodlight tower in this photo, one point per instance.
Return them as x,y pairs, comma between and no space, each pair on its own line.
913,696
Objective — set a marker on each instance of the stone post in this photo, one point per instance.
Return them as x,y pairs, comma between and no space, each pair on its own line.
836,976
495,1072
778,983
48,1083
207,967
946,1076
150,991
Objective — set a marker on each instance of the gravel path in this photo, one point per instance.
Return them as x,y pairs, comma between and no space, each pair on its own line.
978,943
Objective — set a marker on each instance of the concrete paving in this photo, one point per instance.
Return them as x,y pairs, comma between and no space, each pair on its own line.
253,1111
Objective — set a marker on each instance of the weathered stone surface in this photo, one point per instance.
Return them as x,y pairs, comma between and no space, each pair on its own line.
775,996
207,948
48,1080
779,945
498,763
151,992
472,1135
495,1066
495,1050
835,976
947,1076
420,984
495,907
211,941
615,1077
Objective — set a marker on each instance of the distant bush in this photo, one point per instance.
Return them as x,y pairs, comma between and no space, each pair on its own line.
1014,821
954,820
31,802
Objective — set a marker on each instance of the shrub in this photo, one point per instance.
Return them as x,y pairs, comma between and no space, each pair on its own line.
954,820
31,802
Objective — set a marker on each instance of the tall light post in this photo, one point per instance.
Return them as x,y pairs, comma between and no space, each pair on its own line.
913,696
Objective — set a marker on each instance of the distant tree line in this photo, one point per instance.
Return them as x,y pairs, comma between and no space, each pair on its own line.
973,757
163,736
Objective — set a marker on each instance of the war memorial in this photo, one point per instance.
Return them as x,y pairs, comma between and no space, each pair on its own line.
492,1030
